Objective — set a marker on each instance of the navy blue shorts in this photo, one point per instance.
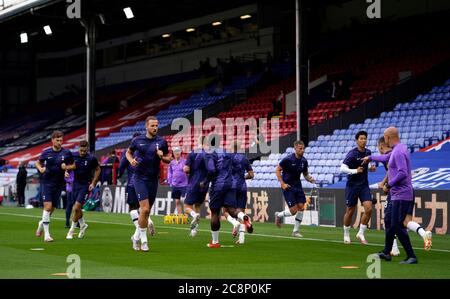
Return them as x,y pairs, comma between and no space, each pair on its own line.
195,197
178,192
294,195
51,193
222,198
241,199
80,193
353,193
132,199
401,208
146,190
388,212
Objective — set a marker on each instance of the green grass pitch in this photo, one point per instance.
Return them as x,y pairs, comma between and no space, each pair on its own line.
269,253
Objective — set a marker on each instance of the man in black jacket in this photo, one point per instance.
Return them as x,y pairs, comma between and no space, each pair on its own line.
21,181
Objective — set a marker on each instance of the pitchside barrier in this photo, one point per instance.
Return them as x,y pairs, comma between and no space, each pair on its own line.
327,209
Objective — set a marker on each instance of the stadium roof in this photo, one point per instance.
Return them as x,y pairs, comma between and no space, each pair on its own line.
69,33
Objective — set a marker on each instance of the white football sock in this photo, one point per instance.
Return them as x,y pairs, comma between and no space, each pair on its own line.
298,221
241,233
362,229
346,230
134,217
81,222
415,227
143,234
74,225
215,237
193,214
232,220
241,216
46,223
285,213
394,245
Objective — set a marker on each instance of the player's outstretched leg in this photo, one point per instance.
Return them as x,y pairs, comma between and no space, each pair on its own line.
280,215
233,222
364,221
144,212
347,221
136,237
44,224
189,209
415,227
298,221
215,227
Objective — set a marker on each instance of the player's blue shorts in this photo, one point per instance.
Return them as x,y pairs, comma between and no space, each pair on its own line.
401,208
388,212
222,198
132,199
80,193
241,199
51,193
354,192
178,192
294,195
146,189
195,197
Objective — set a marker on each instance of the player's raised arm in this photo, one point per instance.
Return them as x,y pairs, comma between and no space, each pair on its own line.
347,170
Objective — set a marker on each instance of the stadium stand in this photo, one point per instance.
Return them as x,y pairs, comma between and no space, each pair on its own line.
421,123
375,78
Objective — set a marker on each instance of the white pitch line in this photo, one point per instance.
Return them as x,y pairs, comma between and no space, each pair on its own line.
205,230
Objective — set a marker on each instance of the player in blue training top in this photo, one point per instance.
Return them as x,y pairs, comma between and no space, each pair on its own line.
288,173
222,194
198,183
85,165
52,164
145,154
241,166
132,201
357,186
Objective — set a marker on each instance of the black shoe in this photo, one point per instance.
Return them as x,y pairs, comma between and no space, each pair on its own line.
411,260
384,256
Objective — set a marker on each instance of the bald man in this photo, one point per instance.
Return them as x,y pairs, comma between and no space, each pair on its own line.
402,196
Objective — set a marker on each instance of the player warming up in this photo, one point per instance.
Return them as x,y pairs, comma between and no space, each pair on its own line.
222,195
52,164
357,186
241,165
145,154
288,172
132,200
85,165
198,183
